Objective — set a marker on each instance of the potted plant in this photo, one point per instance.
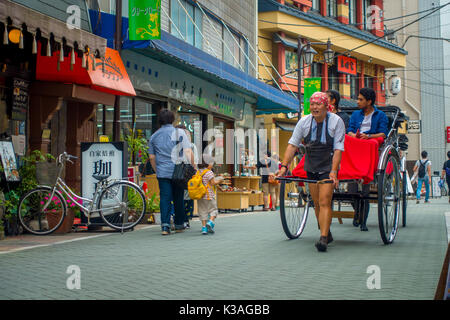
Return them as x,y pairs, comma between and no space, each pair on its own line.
152,207
137,143
28,181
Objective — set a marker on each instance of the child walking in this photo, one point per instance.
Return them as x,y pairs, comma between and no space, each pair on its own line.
207,206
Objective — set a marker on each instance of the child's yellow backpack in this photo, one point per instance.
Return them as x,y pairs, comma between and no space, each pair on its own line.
196,188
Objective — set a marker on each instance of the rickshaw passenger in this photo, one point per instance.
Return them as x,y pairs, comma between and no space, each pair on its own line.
369,122
323,135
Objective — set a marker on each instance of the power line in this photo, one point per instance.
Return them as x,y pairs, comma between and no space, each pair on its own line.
350,24
396,30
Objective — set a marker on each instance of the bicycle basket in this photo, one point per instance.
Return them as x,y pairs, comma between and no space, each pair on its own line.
46,173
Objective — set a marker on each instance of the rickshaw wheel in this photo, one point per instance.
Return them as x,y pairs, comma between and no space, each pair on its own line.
294,207
389,199
404,198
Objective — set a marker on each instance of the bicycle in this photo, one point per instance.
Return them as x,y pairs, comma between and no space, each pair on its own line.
120,203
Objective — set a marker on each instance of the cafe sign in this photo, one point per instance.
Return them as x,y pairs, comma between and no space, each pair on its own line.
100,160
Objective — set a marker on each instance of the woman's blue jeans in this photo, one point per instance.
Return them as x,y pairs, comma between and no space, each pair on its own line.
170,191
419,188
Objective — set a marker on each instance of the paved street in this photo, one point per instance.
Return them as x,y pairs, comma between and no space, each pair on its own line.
249,257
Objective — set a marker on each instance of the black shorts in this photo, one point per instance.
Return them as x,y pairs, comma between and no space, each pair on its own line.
318,176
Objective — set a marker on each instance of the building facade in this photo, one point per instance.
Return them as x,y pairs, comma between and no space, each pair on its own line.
424,79
356,33
204,67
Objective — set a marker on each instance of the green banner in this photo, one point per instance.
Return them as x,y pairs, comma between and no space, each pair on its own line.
144,18
311,85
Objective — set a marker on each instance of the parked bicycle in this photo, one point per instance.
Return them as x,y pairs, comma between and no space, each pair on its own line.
120,203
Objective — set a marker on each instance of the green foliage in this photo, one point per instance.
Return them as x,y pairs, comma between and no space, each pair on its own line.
137,142
152,202
28,182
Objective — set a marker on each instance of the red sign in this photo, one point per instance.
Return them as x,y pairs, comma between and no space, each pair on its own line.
131,174
448,134
347,65
113,78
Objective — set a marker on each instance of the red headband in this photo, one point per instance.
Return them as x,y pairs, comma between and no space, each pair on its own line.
319,97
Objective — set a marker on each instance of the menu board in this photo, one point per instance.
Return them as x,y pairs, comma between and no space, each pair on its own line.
20,99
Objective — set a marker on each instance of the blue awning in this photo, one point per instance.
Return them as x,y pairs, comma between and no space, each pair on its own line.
269,99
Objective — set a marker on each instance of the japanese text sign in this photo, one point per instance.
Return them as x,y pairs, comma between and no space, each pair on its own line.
448,134
144,18
347,65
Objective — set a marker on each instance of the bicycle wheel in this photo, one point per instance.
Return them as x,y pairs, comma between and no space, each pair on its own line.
32,216
122,205
389,199
294,207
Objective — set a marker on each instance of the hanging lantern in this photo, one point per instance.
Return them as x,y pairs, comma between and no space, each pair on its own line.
61,53
5,35
34,45
83,61
21,40
49,50
72,57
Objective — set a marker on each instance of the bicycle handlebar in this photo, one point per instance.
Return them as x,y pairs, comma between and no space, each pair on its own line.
66,157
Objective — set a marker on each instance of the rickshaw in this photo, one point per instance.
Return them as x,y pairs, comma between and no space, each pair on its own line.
388,188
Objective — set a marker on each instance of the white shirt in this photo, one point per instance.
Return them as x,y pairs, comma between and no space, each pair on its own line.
336,130
367,123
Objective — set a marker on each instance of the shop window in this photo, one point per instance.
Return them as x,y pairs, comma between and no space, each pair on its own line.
316,70
354,87
231,50
332,8
368,82
366,13
315,5
333,78
291,64
352,11
182,26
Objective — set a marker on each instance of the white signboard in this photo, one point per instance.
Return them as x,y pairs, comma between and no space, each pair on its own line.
414,126
435,189
101,161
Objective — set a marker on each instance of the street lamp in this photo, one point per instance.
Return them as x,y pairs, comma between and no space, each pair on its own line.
309,53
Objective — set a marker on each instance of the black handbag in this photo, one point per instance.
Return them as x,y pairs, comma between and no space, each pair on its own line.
182,173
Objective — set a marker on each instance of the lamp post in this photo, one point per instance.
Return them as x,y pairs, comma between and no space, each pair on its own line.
309,53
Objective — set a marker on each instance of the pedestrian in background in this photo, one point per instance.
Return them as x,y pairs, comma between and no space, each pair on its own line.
188,202
161,146
423,168
446,173
333,99
207,206
265,171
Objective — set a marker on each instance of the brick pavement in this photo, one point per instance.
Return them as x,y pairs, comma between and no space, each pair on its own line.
249,257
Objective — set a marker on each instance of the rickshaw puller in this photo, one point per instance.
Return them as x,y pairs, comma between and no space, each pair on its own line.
323,135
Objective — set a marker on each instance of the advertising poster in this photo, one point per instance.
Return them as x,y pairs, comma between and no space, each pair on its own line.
9,161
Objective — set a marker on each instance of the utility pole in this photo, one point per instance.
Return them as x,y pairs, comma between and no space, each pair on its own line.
118,47
299,76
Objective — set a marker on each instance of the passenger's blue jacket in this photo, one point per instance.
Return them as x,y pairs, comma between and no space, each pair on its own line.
379,122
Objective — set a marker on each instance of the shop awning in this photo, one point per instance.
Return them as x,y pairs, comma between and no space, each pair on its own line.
47,25
109,76
269,99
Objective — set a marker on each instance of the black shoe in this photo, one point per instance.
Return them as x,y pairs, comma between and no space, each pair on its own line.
321,245
364,227
356,220
329,238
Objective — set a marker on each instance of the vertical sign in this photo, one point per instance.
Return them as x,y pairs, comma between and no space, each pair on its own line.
144,18
20,99
101,161
448,134
311,85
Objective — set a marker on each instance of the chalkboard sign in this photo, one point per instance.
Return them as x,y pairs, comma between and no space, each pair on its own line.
20,99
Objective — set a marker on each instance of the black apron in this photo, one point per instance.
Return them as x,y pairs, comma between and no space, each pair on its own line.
319,156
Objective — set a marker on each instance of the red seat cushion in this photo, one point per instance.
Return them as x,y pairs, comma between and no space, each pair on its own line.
359,160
